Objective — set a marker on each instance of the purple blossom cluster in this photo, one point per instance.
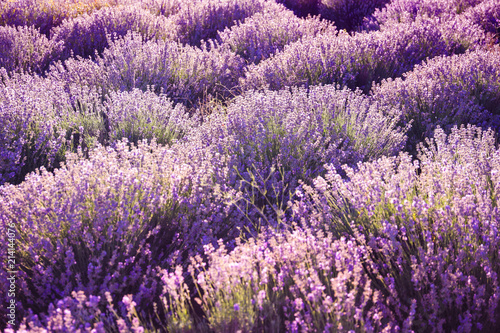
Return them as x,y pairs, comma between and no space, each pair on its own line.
81,313
86,35
25,49
30,136
487,15
349,14
465,23
196,21
431,227
446,91
43,118
44,15
383,258
267,32
410,10
250,166
138,115
363,58
274,139
107,222
302,281
184,73
77,204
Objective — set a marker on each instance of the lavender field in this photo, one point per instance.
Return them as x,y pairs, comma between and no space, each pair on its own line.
249,166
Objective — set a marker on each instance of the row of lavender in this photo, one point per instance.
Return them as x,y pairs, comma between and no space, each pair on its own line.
47,14
399,245
192,75
24,47
389,244
186,22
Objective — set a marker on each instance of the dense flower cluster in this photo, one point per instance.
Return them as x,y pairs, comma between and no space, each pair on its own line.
250,166
86,34
274,139
265,33
431,226
409,10
24,49
349,14
446,91
30,136
394,239
184,73
107,222
46,14
43,118
359,60
487,15
300,281
138,115
200,20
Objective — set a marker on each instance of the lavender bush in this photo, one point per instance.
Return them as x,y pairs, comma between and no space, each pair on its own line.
24,49
267,32
233,166
139,115
79,312
487,15
409,10
431,227
136,115
461,29
86,35
30,136
43,118
108,222
45,14
275,139
300,281
349,14
421,248
184,73
359,60
200,20
446,91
